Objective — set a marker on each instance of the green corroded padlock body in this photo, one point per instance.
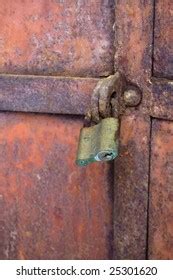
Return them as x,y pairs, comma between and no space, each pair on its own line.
98,142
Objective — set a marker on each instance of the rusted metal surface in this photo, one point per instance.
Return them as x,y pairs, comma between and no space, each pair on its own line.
8,219
63,95
131,188
161,101
160,244
133,57
50,37
133,39
46,94
45,214
163,34
111,96
50,208
101,97
133,48
132,97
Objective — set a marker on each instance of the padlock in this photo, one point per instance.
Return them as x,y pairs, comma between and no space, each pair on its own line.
98,142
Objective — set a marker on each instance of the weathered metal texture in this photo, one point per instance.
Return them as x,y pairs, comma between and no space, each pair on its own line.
163,34
133,39
161,101
160,244
63,95
46,94
49,207
8,219
102,96
50,37
133,57
131,188
132,97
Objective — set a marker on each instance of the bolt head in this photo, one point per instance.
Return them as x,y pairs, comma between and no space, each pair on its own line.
132,97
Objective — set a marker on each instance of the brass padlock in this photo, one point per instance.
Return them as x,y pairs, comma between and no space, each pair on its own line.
98,142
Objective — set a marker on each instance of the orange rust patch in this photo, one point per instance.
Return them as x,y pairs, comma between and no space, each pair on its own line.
49,37
52,208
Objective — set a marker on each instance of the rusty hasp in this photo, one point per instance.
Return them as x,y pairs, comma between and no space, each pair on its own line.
100,142
111,96
67,95
101,98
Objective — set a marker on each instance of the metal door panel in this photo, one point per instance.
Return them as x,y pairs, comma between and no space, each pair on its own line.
131,188
83,53
163,34
161,191
50,37
144,29
50,208
133,38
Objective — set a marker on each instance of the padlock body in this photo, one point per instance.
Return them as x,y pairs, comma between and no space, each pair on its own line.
98,142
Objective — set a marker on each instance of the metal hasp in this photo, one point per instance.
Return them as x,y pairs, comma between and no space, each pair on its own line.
109,100
98,142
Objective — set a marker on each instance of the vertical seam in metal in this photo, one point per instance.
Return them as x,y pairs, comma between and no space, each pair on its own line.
153,37
113,191
149,183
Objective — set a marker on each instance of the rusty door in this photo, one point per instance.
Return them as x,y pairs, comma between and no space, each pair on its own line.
52,54
143,211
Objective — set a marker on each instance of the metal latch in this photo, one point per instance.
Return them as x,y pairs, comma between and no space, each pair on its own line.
98,139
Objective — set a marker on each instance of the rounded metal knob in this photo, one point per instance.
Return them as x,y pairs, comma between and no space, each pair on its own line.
132,97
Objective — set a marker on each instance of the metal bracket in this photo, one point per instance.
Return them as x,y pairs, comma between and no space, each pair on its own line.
111,96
